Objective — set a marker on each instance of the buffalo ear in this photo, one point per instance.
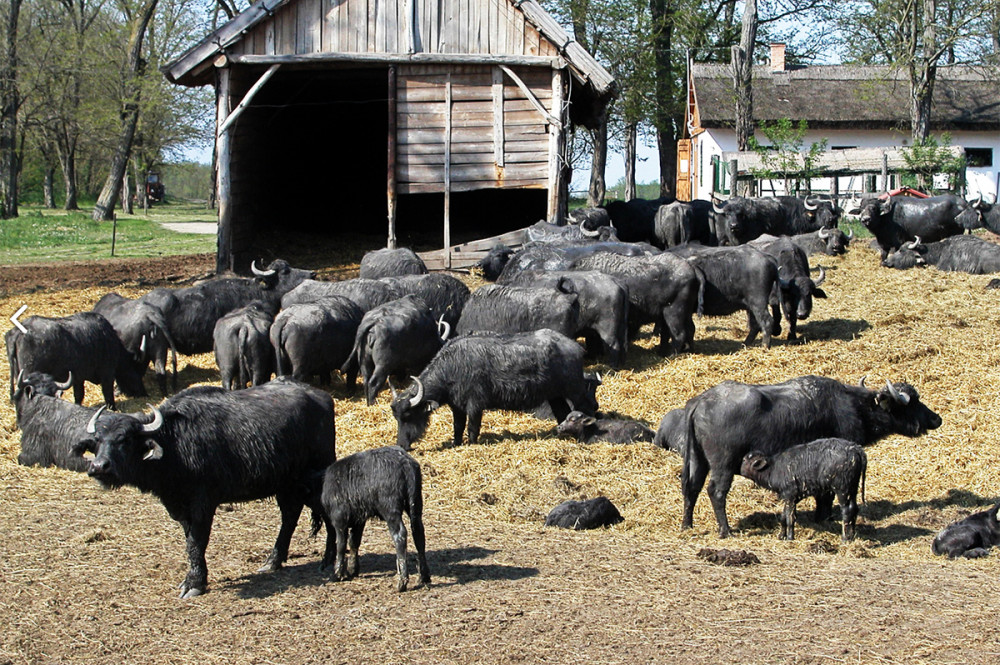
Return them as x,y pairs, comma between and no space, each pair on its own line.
154,452
589,420
431,405
84,446
819,293
758,463
884,401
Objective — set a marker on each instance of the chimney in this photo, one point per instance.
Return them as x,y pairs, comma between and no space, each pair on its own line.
777,57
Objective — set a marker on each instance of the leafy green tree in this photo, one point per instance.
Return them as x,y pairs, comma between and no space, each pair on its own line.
784,156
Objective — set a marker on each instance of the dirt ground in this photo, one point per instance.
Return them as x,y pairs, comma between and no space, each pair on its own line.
90,576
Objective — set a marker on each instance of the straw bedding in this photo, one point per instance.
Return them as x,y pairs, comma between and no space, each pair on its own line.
89,574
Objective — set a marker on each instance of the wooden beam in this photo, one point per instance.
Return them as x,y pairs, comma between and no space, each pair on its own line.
447,169
228,122
400,58
391,167
556,138
498,116
551,119
223,184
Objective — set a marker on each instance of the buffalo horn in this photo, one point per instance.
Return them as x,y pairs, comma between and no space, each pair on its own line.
20,383
822,276
92,425
895,394
824,233
809,206
157,421
978,201
260,273
392,389
419,397
589,233
142,346
850,234
444,329
61,386
861,383
717,208
913,245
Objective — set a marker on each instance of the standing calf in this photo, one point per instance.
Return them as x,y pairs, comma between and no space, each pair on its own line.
971,537
381,482
823,466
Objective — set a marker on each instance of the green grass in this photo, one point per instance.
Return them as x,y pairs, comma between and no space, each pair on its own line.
40,235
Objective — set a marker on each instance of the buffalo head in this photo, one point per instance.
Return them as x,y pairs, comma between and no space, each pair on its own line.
280,276
121,445
412,412
908,415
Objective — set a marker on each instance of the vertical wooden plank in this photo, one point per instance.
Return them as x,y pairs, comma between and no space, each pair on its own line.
498,144
369,40
391,169
223,183
331,25
462,28
447,172
556,138
518,46
269,38
383,20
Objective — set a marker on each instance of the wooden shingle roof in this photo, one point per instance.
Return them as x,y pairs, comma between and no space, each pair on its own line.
847,96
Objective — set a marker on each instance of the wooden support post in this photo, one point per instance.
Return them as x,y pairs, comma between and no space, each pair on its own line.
835,191
733,170
391,161
447,173
885,172
556,139
498,125
223,176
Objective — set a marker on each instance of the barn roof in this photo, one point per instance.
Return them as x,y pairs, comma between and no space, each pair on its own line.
848,96
477,40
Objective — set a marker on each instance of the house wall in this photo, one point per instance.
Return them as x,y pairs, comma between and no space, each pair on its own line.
980,180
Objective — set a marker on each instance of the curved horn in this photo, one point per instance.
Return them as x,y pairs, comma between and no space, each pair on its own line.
716,208
444,329
392,389
588,233
260,273
809,206
861,383
822,276
60,386
850,234
92,425
978,201
824,233
913,245
157,421
20,384
142,346
895,394
419,397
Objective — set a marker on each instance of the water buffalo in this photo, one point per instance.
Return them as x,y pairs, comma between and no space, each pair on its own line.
797,288
727,421
591,514
512,309
634,220
591,429
899,219
971,537
674,224
560,256
205,446
315,339
242,345
981,213
832,242
547,232
444,295
391,263
143,330
964,253
365,293
742,219
49,426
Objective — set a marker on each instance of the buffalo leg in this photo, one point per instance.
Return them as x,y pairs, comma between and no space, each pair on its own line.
560,408
788,521
357,530
692,480
197,532
398,533
78,391
718,490
776,320
374,382
459,418
417,528
475,424
291,507
824,507
331,544
849,508
340,527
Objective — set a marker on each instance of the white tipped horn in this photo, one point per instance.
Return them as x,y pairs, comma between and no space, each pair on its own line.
823,233
850,234
978,201
809,206
61,386
419,397
392,389
157,421
897,396
92,425
142,346
260,273
444,329
822,276
861,383
588,233
913,245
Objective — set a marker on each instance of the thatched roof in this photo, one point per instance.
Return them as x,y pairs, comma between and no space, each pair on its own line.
838,162
847,96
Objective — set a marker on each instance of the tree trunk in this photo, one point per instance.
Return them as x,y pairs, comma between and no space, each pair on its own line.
923,70
598,187
630,140
9,103
662,15
104,208
67,161
743,81
48,187
126,199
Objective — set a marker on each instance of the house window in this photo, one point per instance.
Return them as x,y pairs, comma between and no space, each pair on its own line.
720,184
979,156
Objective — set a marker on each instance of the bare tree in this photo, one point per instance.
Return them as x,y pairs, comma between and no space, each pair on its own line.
9,104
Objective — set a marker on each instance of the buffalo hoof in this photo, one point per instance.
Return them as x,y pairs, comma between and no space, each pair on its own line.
401,584
270,566
192,592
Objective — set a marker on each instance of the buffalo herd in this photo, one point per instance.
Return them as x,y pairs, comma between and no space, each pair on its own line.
510,345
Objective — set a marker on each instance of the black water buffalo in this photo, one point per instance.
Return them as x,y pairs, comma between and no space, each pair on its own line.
662,289
191,312
391,263
634,220
981,214
242,344
83,344
797,288
832,242
477,372
590,514
50,426
742,219
512,309
560,256
444,295
591,429
736,278
674,224
603,307
143,330
365,293
703,223
727,421
971,537
824,466
492,265
547,232
205,446
315,339
901,219
592,221
964,253
398,338
671,434
379,482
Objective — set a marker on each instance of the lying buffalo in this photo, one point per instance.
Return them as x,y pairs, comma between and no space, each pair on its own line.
965,253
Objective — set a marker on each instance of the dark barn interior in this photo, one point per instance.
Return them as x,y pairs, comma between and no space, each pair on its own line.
309,156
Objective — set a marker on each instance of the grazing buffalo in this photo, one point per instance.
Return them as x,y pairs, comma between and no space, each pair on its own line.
243,348
832,242
825,466
315,339
674,224
398,338
797,289
205,446
900,219
365,293
49,426
736,278
971,537
603,307
191,312
143,330
634,220
444,295
391,263
590,429
742,219
513,309
965,253
662,289
83,345
727,421
486,371
379,482
591,514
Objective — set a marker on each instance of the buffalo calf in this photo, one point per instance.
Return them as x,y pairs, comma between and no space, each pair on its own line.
824,466
589,514
588,429
971,537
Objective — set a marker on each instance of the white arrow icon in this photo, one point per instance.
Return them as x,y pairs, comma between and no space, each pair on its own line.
17,323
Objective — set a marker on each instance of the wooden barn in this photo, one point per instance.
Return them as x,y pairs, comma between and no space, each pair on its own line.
447,117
